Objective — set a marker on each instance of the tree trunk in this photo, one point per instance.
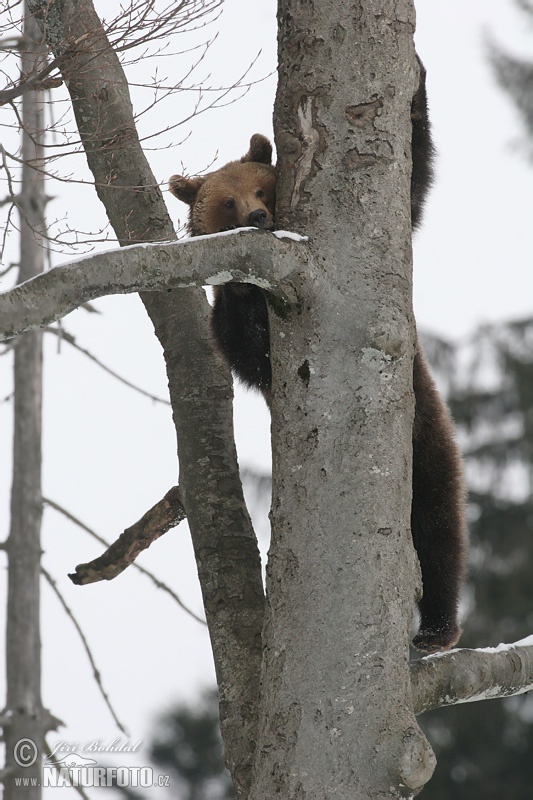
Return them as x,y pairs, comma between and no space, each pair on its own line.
225,545
23,642
335,710
336,717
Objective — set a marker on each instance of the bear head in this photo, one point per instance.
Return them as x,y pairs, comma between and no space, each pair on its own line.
238,195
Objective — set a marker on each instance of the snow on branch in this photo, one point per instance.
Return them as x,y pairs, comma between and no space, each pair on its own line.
246,255
463,676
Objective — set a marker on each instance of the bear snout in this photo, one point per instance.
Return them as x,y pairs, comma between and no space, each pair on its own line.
258,218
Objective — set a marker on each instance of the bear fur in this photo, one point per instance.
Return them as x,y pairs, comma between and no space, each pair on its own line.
241,194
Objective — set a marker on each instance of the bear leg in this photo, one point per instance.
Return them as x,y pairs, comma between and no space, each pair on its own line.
422,150
438,514
240,326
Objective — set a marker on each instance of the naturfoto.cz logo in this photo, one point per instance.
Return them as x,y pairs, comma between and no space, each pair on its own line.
76,770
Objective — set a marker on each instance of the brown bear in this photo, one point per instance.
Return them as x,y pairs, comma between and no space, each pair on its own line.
241,194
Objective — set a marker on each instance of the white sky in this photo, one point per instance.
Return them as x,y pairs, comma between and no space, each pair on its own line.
109,454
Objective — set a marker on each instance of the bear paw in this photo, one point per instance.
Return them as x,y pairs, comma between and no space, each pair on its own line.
434,640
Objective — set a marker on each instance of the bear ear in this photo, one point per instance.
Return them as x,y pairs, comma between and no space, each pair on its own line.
185,189
260,150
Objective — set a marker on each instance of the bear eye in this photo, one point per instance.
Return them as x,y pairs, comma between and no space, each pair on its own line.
260,193
229,203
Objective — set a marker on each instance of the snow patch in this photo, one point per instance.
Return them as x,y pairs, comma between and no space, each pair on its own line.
502,647
220,234
295,237
224,276
493,692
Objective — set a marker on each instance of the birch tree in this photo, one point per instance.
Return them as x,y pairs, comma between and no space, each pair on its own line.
315,685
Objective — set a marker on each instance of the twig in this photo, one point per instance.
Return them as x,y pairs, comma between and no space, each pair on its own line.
160,584
96,672
52,758
67,337
39,79
166,514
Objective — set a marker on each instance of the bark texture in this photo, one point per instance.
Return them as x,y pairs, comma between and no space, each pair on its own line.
24,733
464,676
53,294
200,385
161,518
342,575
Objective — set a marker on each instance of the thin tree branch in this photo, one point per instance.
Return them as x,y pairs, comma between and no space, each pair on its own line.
52,758
50,723
39,81
464,676
62,334
96,672
156,581
166,514
245,255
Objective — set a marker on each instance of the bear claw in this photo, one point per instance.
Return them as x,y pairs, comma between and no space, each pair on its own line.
437,640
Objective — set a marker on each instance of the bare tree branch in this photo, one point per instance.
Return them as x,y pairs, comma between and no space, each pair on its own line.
166,514
40,80
64,336
145,29
245,255
464,676
156,581
96,671
138,23
53,759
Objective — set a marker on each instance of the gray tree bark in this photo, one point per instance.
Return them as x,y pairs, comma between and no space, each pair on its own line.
247,256
336,716
26,724
466,676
